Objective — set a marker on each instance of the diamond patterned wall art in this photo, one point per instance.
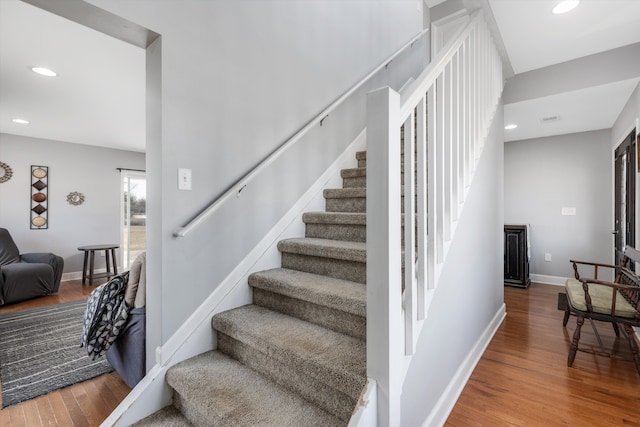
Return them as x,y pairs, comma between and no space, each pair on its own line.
39,197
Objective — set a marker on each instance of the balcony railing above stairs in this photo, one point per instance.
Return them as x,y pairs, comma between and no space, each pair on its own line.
445,116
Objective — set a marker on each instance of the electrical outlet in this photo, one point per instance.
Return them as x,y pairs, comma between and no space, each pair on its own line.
547,257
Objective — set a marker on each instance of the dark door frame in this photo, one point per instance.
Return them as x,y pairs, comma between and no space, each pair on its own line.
625,164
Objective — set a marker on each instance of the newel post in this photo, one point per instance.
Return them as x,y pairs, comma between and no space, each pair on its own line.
385,327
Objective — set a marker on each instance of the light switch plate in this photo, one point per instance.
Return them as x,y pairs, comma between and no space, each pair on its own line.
184,179
569,211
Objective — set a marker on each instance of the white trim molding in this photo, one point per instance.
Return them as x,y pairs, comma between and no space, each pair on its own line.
548,280
449,397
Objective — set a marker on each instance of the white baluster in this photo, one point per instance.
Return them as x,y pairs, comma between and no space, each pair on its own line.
421,184
410,307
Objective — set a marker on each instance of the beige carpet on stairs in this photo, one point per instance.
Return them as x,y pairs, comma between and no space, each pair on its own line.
297,355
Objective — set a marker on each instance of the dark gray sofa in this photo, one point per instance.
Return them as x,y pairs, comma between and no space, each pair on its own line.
26,276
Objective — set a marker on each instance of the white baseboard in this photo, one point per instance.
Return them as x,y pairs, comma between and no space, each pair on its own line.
195,336
447,401
548,280
74,275
77,275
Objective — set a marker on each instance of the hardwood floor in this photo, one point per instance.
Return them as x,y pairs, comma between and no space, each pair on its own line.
523,379
85,404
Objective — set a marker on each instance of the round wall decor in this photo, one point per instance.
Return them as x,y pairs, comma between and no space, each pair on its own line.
39,173
5,172
39,197
75,198
39,221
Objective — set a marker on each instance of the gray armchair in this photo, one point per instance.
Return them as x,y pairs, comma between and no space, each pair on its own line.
26,276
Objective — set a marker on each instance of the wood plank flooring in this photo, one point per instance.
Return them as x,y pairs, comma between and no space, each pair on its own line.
85,404
523,379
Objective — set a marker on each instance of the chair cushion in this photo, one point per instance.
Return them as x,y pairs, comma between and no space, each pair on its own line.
601,296
135,295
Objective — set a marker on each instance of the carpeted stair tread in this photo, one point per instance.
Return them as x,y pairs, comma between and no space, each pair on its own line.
214,390
331,358
335,218
169,416
343,295
325,248
349,226
349,199
361,155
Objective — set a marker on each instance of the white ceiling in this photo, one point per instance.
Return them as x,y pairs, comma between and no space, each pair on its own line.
535,38
98,96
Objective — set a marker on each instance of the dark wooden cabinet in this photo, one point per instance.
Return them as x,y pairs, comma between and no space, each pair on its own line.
516,259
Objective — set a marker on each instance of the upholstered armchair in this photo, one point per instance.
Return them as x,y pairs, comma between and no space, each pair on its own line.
26,276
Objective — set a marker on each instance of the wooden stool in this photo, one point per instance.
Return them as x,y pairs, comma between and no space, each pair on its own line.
89,254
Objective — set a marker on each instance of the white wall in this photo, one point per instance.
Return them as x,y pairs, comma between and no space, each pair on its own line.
545,174
237,79
72,167
470,291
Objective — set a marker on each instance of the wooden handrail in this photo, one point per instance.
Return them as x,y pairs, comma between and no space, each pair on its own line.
242,183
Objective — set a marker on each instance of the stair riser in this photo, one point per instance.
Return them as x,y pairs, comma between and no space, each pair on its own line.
362,163
355,204
336,268
190,411
346,232
339,321
290,376
355,182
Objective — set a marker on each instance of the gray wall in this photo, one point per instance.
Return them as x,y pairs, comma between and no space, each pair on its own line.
545,174
237,79
627,120
72,167
606,67
470,291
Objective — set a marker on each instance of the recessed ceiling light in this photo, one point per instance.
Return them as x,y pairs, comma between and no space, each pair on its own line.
511,126
44,71
565,6
20,121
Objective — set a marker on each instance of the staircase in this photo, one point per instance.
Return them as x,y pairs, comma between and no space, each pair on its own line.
297,355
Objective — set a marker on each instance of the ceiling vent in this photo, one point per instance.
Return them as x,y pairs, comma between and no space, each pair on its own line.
550,119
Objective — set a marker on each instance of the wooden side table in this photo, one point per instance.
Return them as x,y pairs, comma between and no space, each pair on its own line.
89,255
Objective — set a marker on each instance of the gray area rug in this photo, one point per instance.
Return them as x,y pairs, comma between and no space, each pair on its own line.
40,352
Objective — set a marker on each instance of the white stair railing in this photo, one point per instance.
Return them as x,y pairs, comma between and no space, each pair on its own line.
445,115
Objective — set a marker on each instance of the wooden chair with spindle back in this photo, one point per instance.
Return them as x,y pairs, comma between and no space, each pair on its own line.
616,302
